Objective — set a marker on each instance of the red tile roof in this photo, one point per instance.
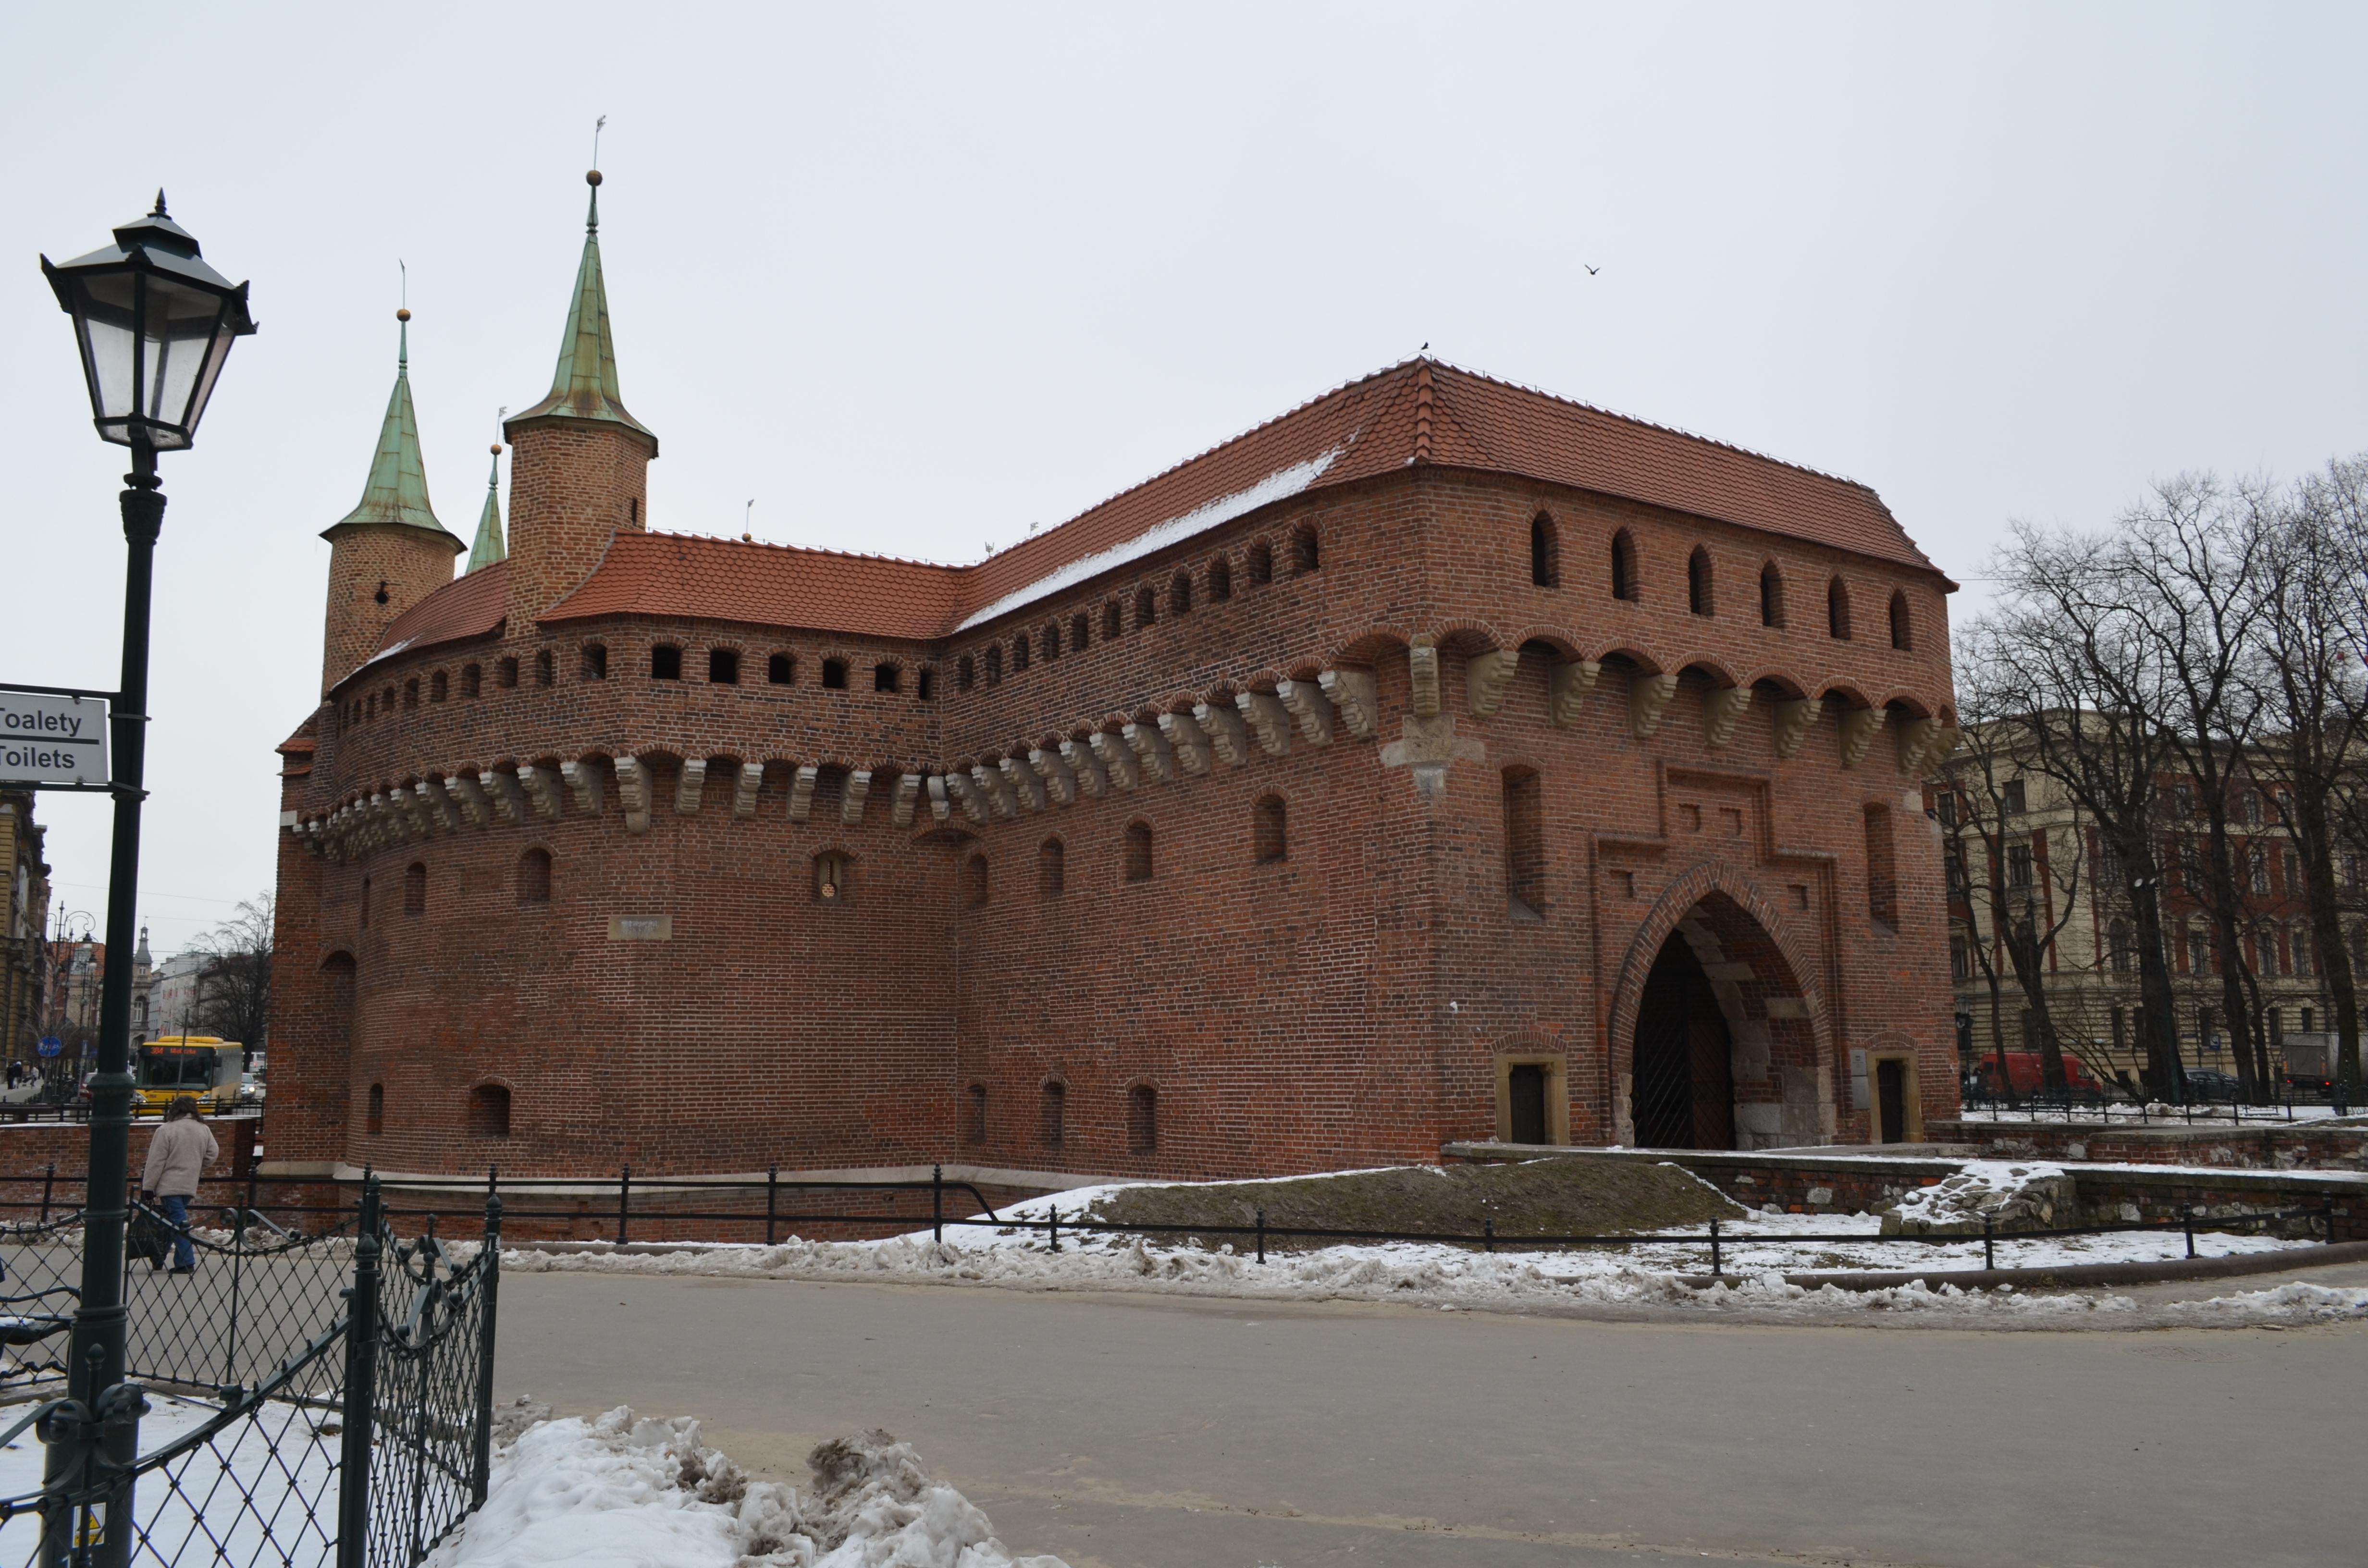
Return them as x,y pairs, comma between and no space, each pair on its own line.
1421,410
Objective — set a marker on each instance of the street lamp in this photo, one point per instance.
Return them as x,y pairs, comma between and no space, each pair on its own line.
154,324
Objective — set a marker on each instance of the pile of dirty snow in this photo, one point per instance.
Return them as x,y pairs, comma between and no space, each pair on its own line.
2004,1196
624,1490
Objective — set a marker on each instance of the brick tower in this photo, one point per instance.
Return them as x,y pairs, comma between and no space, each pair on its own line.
389,553
579,462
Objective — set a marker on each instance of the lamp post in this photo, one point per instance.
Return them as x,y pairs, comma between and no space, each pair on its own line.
154,324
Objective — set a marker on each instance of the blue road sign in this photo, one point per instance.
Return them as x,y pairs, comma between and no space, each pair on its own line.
50,1045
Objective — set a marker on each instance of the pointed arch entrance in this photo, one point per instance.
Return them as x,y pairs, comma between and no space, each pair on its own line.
1718,1026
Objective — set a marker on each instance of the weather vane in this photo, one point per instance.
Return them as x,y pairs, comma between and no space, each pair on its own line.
596,140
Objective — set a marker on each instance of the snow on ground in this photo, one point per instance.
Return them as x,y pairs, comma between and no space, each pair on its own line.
2121,1115
1755,1255
623,1491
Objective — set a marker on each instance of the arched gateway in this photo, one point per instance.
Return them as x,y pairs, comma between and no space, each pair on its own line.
1720,1038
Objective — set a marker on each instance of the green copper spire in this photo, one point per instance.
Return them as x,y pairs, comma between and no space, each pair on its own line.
584,385
489,547
397,491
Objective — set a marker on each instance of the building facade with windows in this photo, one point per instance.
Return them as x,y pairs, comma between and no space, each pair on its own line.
1439,760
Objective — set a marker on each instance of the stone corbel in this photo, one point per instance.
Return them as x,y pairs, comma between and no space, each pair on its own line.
1309,706
1093,781
441,808
411,811
502,788
1358,696
990,787
1567,686
1191,742
1124,772
907,797
1647,696
633,793
583,779
541,785
1060,779
1918,740
1159,757
1270,718
1722,711
687,785
1485,677
1793,721
802,789
939,807
1859,725
1422,676
1229,741
850,805
745,788
1021,781
471,796
967,796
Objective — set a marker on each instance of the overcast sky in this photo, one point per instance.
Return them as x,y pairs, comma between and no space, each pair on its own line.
916,280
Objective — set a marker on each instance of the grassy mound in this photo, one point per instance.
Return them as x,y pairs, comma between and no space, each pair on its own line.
1539,1197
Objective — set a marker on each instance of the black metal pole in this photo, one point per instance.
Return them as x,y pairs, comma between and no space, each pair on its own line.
361,1375
99,1318
48,1180
489,1280
1715,1260
772,1199
937,1203
1056,1230
1990,1244
1261,1239
625,1200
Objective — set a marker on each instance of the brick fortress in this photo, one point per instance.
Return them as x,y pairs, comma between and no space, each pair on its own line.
1440,760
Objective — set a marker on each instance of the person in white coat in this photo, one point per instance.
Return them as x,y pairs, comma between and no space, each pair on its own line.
178,1158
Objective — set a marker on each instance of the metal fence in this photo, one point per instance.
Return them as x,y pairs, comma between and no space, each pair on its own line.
319,1399
2075,1105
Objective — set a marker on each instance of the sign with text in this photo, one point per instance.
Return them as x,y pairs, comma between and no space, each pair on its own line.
49,738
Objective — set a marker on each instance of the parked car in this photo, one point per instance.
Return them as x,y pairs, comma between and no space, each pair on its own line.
2211,1084
2027,1077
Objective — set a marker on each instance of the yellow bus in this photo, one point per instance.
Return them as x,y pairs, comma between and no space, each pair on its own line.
197,1065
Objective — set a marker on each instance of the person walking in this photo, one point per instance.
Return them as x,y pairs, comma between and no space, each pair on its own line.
177,1157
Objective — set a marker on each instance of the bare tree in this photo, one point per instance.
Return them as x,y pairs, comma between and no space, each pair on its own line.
233,984
2311,672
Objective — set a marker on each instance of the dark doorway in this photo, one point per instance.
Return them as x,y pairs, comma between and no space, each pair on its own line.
1682,1093
1526,1086
1891,1099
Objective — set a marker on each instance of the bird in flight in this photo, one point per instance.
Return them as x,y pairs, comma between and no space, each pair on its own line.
1591,271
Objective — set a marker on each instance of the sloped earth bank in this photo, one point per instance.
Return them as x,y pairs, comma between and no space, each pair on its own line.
1542,1197
624,1490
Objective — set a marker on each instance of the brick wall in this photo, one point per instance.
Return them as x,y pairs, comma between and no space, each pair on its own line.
406,563
1348,1003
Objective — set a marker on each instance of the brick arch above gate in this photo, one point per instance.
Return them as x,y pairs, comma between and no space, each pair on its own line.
1677,901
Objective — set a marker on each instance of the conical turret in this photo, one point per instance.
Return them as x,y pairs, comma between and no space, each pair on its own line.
489,547
585,384
389,553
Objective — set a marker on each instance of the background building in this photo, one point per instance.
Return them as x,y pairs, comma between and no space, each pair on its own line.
24,960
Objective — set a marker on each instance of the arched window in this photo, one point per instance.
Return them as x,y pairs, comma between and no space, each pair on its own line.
1137,858
1270,839
472,678
886,678
1903,635
1141,1119
665,662
489,1111
1623,566
414,889
994,664
1771,596
1080,624
974,1116
1545,552
436,687
596,662
1050,637
1261,559
544,669
1179,593
1112,622
833,673
2265,951
1221,581
377,1124
830,877
1146,607
1020,652
411,692
1052,1122
505,672
1051,869
534,877
1698,581
2303,955
1838,616
781,669
925,685
724,666
1305,555
965,673
973,882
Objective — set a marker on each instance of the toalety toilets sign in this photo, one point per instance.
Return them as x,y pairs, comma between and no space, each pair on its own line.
53,739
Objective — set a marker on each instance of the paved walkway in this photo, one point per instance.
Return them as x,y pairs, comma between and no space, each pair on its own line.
1124,1431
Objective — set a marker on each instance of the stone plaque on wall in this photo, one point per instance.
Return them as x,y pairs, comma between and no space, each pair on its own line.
641,927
